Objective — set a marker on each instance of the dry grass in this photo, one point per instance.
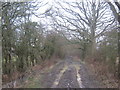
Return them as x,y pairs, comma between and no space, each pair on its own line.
102,72
33,69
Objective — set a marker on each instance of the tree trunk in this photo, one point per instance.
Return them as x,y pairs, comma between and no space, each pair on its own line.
119,53
93,40
93,47
27,60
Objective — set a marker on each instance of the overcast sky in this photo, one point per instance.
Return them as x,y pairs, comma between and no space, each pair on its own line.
50,3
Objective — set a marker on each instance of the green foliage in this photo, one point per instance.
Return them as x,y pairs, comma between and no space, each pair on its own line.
21,38
52,46
24,44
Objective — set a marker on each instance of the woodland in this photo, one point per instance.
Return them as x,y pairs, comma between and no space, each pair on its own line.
86,29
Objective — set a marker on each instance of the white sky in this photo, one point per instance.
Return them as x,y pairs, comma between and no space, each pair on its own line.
46,7
50,3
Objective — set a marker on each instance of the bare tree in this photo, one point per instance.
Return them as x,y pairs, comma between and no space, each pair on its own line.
86,20
117,16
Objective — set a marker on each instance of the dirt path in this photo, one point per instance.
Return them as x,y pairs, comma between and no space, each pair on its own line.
70,74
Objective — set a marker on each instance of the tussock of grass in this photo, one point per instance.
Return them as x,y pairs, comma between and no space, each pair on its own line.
33,82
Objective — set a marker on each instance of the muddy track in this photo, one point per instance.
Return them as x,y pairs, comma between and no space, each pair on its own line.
69,79
88,79
70,74
49,77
